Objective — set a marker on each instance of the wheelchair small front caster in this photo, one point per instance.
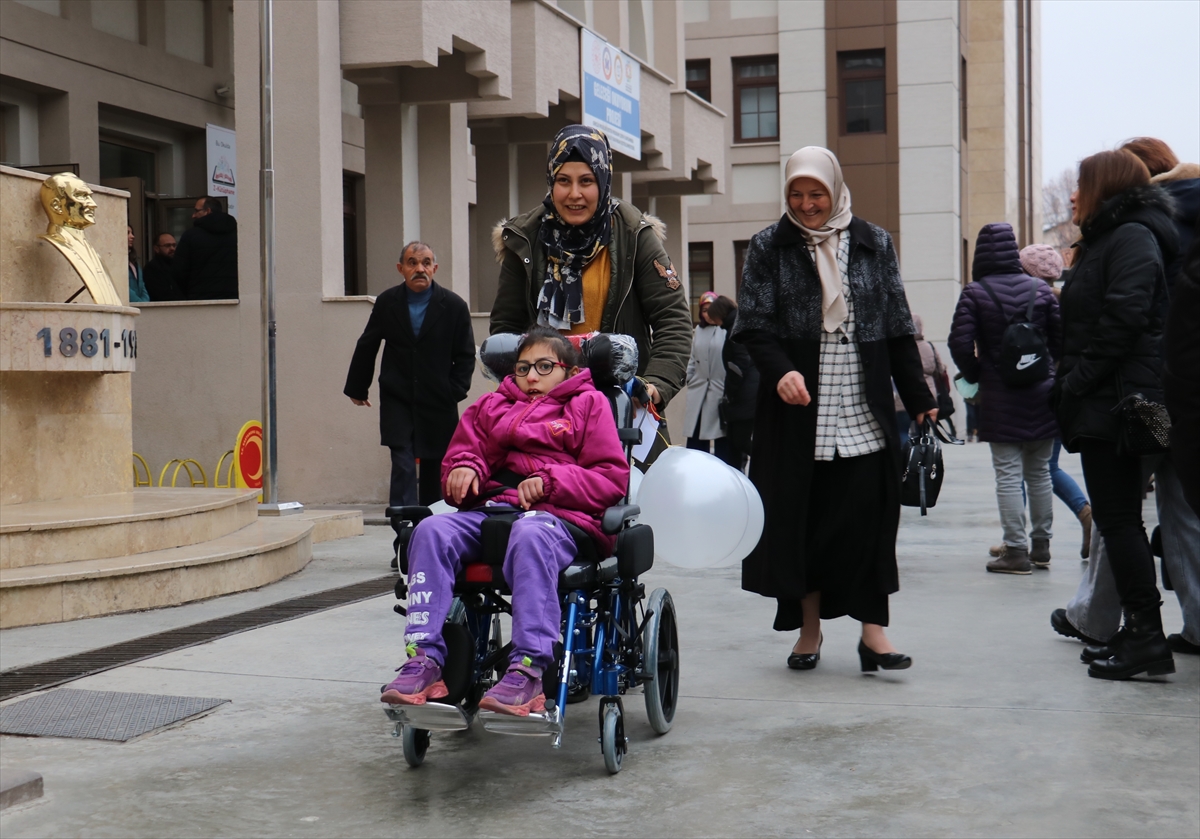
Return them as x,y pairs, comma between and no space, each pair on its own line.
613,743
416,743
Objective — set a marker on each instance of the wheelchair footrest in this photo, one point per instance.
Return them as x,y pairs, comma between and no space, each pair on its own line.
432,716
545,723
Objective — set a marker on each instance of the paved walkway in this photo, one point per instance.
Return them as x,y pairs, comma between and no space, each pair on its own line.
995,731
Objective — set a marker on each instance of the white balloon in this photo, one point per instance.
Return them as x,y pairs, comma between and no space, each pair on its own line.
635,483
754,524
698,509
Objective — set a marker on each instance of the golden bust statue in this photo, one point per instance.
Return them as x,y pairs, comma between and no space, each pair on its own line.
70,208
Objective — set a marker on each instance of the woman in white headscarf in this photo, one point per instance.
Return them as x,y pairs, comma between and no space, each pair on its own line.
823,313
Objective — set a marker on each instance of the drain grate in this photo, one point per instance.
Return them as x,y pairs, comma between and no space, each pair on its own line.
99,714
62,670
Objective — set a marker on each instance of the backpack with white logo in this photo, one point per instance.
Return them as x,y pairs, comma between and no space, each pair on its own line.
1024,359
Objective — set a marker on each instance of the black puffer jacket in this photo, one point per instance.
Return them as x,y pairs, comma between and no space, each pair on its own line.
1006,415
205,264
1113,305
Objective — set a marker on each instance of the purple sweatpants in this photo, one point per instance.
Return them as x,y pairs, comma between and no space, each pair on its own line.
539,547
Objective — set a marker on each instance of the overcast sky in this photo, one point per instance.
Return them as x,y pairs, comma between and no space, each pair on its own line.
1115,69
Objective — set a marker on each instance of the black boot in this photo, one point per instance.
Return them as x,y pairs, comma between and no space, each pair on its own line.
1102,650
1142,648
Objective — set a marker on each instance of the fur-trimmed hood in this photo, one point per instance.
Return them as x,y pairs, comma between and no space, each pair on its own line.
654,222
1182,172
1150,205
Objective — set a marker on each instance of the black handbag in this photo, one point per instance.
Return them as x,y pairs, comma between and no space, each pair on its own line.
924,471
1145,426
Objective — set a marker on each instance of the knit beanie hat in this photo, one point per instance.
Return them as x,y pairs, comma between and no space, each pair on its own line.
1042,261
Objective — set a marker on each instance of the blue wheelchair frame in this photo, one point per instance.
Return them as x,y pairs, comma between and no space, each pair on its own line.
605,650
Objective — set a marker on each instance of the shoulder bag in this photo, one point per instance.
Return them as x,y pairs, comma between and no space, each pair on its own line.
921,481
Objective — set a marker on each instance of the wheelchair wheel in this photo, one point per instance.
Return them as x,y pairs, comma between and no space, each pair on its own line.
660,646
416,743
612,733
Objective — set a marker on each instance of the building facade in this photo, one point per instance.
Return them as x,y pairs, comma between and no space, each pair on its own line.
394,120
931,106
430,119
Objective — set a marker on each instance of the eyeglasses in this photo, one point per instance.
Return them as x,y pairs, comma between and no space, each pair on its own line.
543,366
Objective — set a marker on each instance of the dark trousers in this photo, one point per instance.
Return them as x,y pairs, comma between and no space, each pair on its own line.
1114,484
405,491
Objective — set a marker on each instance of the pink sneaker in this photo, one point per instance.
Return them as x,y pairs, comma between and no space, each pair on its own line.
419,681
518,693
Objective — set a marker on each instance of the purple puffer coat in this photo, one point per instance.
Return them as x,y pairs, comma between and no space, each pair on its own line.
1006,415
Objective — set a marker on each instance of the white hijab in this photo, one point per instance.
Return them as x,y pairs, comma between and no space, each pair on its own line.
821,165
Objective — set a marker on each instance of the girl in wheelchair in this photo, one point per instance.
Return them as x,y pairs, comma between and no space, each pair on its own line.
551,433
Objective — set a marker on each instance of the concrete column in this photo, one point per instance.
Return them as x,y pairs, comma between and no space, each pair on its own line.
308,149
927,45
443,143
494,188
384,194
801,78
610,18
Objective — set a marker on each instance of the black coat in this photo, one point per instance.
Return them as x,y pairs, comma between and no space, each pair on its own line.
205,264
160,284
421,378
779,321
1006,415
741,377
1181,379
1113,306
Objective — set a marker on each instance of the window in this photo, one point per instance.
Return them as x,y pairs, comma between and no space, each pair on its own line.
739,258
962,95
755,99
117,17
699,78
350,234
700,273
118,160
862,76
187,29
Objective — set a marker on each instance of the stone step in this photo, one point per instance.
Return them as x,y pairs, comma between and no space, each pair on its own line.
333,523
262,552
120,524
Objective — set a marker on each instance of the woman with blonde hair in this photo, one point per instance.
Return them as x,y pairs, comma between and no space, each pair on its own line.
823,313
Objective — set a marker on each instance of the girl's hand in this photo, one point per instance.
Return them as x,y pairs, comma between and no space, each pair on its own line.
459,481
791,389
530,491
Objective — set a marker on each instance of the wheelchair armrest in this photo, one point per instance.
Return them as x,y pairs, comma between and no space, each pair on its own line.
615,517
629,436
414,514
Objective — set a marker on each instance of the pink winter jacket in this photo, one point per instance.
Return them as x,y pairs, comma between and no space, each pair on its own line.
567,438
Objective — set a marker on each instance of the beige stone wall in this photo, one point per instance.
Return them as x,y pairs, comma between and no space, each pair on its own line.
65,435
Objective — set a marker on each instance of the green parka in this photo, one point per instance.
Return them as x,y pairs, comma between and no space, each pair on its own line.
645,299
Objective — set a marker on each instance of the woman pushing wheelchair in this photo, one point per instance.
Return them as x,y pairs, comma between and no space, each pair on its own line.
551,433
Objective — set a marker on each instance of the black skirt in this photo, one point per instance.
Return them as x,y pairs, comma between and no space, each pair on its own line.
842,542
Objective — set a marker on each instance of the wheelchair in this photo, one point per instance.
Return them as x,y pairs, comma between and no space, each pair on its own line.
613,637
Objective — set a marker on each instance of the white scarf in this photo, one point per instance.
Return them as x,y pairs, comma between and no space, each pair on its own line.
821,165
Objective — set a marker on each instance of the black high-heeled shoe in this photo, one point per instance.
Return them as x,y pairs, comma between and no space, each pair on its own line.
872,660
806,661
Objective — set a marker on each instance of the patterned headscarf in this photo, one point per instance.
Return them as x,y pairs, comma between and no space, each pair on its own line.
568,247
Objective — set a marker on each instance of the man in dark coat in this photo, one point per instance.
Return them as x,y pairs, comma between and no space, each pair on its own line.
428,361
160,284
1016,421
205,266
